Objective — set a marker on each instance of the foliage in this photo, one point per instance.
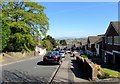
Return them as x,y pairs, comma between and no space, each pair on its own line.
47,44
26,22
63,42
5,34
84,56
106,75
52,40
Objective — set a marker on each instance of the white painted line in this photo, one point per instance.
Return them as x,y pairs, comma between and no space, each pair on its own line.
20,61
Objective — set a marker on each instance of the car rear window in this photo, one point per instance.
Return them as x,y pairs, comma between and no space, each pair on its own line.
49,53
52,53
61,52
55,53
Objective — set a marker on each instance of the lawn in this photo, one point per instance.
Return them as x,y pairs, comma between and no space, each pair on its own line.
112,73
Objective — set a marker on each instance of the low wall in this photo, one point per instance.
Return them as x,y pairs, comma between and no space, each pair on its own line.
87,68
20,54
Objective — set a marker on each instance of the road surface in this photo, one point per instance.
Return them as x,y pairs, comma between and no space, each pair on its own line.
32,70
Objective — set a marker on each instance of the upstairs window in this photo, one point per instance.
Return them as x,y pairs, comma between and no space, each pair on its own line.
116,40
109,39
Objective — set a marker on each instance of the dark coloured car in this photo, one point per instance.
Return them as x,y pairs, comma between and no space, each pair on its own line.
52,57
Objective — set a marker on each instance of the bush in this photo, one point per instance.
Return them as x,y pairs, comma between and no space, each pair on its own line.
84,56
106,75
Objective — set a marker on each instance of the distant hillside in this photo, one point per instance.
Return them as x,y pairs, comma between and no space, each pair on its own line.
73,40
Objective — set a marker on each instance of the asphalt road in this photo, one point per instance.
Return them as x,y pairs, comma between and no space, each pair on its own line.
32,70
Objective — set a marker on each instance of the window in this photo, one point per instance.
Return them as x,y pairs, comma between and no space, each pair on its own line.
116,40
109,39
105,40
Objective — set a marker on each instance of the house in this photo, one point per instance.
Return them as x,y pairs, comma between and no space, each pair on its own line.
93,45
83,44
99,45
111,44
77,45
40,50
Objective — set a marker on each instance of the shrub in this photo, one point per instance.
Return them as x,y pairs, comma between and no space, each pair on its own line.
84,56
106,75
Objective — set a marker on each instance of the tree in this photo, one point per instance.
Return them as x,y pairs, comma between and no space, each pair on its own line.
5,34
27,22
52,40
47,44
63,42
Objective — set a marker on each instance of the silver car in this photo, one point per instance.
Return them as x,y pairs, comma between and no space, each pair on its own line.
62,53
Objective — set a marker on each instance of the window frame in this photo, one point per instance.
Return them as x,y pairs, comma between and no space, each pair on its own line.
109,38
118,42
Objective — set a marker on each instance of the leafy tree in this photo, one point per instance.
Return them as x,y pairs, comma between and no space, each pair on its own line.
47,44
27,22
63,42
5,35
52,40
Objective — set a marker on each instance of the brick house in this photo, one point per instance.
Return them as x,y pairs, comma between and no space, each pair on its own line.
111,44
83,44
93,45
99,44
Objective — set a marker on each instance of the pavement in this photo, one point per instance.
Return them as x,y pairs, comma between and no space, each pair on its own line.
69,72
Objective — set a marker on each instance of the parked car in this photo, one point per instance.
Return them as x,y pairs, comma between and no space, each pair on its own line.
52,57
62,53
80,52
68,51
75,52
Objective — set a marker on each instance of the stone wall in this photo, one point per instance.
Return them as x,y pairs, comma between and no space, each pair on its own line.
20,54
87,68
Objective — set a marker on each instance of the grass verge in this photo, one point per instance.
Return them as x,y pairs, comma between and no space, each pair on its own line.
112,73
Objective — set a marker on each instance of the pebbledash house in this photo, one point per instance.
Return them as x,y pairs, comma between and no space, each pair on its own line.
111,44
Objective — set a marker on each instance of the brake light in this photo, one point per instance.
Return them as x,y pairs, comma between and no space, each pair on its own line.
55,57
45,57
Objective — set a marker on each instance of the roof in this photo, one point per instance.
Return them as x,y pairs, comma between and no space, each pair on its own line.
77,44
40,46
84,41
116,25
94,39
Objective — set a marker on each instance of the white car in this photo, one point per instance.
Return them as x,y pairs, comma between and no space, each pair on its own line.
74,52
62,53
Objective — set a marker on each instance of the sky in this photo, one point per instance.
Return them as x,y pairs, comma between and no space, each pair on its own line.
79,19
